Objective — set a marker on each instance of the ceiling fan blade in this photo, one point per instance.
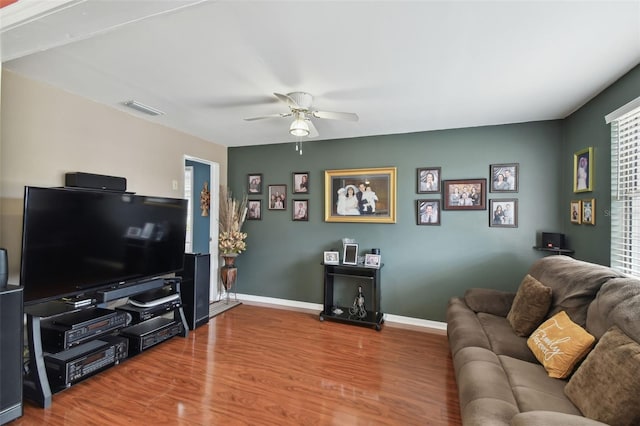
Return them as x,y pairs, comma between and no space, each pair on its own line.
279,115
349,116
313,132
287,100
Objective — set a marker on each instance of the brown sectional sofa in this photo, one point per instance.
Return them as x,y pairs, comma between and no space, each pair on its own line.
499,380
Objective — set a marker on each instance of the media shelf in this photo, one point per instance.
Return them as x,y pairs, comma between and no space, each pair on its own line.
68,344
370,277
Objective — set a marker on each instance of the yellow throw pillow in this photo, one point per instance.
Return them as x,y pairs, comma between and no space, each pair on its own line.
559,344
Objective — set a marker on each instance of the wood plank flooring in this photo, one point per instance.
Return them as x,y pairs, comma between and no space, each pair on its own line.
255,365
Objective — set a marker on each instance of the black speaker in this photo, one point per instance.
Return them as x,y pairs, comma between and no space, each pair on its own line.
4,268
195,288
91,181
11,347
552,240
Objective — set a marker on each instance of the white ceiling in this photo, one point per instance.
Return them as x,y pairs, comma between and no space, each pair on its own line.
402,66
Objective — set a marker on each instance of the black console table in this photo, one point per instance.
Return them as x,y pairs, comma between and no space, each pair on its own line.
371,277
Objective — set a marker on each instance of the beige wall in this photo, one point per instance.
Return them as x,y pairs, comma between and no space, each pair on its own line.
46,132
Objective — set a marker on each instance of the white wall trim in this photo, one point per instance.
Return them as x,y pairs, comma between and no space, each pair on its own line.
398,319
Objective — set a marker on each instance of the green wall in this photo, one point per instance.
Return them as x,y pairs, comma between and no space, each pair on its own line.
424,265
587,128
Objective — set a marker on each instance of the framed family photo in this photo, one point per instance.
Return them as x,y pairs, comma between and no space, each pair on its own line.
503,213
301,182
278,197
589,211
575,211
254,183
428,180
360,195
331,258
428,212
583,170
372,260
254,210
300,210
504,177
465,194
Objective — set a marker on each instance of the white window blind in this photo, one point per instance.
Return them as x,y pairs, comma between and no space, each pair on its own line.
625,191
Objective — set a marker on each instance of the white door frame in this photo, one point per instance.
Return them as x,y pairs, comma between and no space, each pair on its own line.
214,188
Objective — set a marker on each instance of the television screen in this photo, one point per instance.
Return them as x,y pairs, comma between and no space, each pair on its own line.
77,241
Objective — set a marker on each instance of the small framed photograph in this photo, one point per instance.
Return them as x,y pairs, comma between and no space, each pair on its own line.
503,213
300,209
428,212
372,260
576,212
254,183
254,210
504,177
278,197
350,255
465,194
428,180
589,211
583,170
301,182
331,258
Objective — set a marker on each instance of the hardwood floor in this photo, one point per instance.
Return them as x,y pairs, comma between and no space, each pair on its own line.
264,366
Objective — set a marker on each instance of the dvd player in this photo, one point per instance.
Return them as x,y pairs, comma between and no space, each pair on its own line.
75,328
139,314
149,333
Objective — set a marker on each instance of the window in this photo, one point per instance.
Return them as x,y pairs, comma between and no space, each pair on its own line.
625,188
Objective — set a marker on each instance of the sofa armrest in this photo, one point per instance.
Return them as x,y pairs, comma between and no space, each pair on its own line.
488,300
546,418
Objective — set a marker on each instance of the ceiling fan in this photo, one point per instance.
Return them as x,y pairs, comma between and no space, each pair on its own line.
300,109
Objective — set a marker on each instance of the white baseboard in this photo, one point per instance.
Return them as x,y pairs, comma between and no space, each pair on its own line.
398,319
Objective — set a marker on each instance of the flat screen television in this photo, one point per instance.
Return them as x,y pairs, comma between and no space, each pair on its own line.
75,242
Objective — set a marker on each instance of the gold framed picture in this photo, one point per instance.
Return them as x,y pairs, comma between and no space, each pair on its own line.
360,195
575,212
589,211
583,170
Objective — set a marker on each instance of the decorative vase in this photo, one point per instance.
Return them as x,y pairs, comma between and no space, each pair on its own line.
229,271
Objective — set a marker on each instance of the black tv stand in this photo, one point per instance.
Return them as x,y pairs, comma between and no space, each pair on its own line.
36,384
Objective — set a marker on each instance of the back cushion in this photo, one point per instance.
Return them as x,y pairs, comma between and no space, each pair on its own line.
574,284
617,303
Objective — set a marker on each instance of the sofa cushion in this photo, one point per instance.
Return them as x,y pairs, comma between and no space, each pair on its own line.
606,386
530,306
502,339
617,303
463,327
574,284
559,344
534,389
488,300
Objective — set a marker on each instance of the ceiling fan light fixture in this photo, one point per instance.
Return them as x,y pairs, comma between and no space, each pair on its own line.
299,128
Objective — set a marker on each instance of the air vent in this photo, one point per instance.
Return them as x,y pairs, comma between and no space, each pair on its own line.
143,108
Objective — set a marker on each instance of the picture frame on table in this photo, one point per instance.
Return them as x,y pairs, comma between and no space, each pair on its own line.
583,170
504,177
503,213
254,183
465,194
428,180
350,254
331,258
278,197
428,212
575,212
300,182
254,209
300,210
372,260
589,211
360,195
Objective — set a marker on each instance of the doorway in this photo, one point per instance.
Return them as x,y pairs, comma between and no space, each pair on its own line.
202,227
